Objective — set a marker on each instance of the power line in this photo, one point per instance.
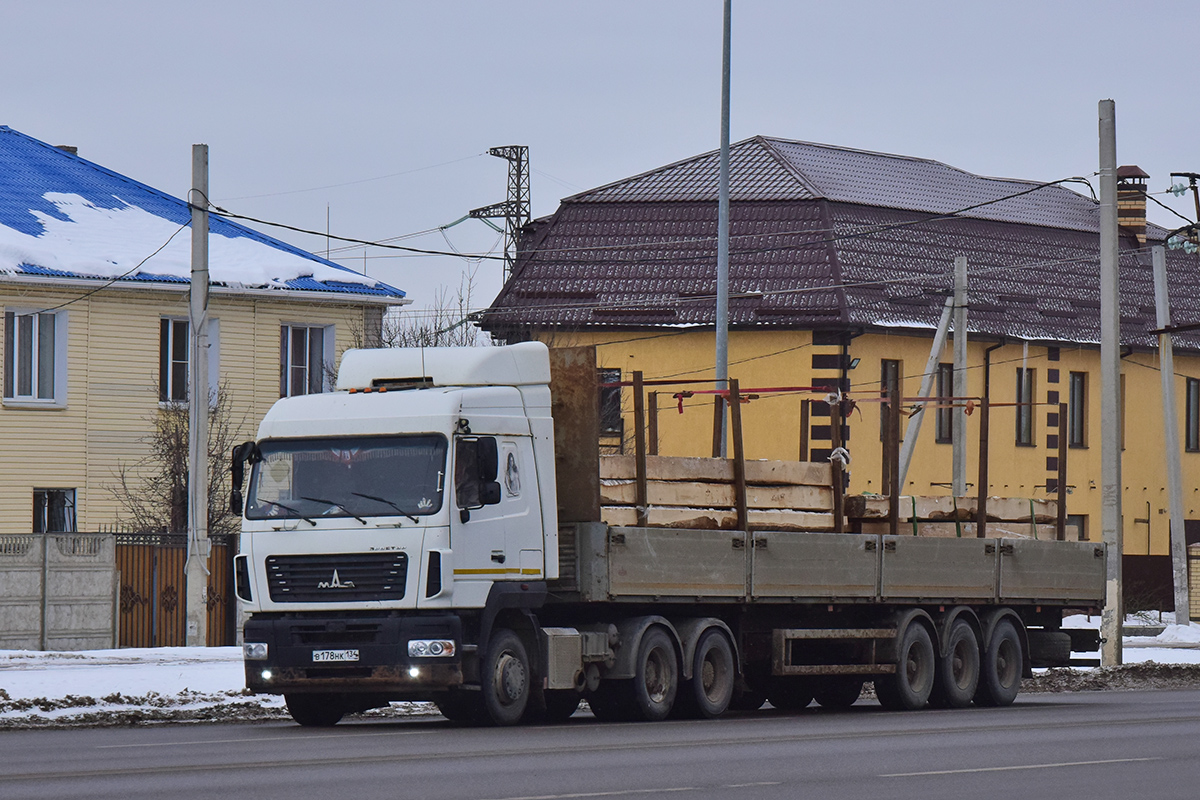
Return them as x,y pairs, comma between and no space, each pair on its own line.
354,183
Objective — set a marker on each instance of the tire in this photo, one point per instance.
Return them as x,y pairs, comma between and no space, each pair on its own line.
505,679
957,677
315,710
909,687
551,706
460,706
1003,664
656,676
708,694
1049,648
790,694
838,692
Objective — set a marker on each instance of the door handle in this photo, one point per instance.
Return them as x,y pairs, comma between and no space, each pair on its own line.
498,556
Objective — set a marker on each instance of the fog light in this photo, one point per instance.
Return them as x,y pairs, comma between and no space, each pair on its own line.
254,651
267,674
413,672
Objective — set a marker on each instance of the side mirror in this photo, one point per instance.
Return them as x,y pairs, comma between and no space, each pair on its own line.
235,502
246,451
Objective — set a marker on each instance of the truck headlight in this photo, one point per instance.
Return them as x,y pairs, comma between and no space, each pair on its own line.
430,648
254,651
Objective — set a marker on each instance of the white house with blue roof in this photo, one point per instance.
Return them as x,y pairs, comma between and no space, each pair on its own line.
94,271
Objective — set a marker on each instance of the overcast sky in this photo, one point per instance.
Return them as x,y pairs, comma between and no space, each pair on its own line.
378,113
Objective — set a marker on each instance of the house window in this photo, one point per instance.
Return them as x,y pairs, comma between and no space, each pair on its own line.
1077,410
53,510
945,416
304,350
891,379
610,402
1192,436
1076,528
174,355
1025,388
35,357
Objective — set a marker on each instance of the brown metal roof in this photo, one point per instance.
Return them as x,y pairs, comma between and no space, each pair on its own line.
843,250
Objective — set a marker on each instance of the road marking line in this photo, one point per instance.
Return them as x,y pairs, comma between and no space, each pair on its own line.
751,785
258,739
614,793
1018,767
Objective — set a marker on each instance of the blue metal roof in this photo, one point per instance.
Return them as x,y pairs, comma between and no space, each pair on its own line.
31,169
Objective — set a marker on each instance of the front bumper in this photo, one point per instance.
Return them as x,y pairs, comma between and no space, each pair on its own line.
383,665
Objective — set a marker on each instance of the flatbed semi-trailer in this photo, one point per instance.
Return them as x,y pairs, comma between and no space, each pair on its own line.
417,535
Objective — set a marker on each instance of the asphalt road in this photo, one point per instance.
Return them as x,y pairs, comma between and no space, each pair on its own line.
1086,745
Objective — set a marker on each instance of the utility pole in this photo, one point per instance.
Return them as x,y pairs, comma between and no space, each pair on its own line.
958,418
515,211
199,545
1166,368
1110,395
913,431
722,354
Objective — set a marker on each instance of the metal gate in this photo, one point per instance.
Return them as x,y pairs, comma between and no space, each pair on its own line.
152,568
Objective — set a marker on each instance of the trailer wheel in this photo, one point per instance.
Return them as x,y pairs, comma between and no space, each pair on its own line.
909,687
315,710
708,694
957,677
1002,667
841,691
504,679
790,694
656,679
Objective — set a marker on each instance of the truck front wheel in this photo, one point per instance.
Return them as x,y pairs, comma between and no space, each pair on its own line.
505,678
315,710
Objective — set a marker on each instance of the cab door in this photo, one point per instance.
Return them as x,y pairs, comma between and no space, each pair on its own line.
477,522
522,517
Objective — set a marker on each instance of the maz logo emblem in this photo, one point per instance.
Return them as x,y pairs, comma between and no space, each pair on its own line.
336,583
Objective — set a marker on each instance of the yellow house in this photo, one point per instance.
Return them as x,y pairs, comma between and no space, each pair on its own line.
93,285
841,262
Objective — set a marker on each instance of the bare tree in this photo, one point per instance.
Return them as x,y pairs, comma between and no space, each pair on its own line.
445,323
152,492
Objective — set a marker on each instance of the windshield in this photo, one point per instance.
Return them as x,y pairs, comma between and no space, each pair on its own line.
348,476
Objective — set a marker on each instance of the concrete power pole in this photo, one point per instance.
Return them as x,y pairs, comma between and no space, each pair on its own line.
722,335
199,545
1110,393
1166,367
959,414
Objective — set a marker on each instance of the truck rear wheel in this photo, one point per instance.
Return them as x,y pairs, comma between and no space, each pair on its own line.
708,694
656,679
504,678
958,670
1002,667
315,710
909,687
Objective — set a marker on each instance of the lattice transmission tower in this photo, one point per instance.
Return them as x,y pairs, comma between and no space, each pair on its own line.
515,210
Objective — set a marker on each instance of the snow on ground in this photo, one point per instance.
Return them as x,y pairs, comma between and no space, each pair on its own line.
106,687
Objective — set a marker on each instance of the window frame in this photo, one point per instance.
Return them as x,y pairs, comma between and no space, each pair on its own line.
69,510
167,332
612,421
1026,430
313,383
944,416
56,352
1077,411
1191,436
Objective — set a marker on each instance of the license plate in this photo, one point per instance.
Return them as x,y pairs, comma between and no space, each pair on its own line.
335,655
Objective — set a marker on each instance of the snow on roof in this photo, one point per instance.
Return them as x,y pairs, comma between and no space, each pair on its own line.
63,216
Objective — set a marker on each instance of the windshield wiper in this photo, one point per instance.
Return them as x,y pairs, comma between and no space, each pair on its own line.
295,511
335,505
387,502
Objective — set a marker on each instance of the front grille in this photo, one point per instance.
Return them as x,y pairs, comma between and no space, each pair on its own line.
336,633
337,578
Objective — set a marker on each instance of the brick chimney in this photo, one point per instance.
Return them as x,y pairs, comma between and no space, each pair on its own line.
1131,201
